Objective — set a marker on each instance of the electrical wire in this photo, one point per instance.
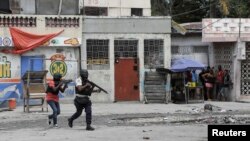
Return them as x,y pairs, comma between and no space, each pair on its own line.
184,13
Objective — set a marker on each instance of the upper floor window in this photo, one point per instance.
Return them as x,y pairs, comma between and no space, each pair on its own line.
96,11
136,11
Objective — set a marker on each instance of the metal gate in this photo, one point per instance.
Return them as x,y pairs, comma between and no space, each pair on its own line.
245,73
223,53
126,70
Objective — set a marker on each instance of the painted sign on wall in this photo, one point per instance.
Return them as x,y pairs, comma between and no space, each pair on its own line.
5,67
8,91
57,41
58,67
5,41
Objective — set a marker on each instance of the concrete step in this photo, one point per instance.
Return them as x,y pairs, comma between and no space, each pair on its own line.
155,97
156,101
154,90
151,73
154,78
155,82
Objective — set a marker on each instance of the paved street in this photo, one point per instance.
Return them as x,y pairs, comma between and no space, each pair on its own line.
125,121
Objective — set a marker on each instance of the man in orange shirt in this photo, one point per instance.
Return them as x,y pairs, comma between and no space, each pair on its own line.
52,97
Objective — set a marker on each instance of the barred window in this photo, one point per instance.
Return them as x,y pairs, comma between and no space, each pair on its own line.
200,49
174,49
96,11
97,54
126,48
136,11
153,53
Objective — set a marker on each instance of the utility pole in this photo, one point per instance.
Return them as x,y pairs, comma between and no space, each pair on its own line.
239,18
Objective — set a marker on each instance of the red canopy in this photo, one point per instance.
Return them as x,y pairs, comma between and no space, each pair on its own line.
24,41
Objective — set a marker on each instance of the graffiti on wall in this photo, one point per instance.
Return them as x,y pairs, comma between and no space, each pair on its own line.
8,91
58,65
63,41
5,65
57,41
5,41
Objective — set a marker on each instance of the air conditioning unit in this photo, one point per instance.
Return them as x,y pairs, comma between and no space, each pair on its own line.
241,50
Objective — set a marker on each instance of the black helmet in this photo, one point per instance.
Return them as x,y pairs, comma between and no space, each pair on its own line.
57,77
84,74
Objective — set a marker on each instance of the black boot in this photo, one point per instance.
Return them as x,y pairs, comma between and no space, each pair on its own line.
90,128
70,122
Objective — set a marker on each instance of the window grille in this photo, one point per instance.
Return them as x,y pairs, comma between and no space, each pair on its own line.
136,11
96,11
126,48
97,54
153,53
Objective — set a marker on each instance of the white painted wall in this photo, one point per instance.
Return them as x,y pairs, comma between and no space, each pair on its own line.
68,52
105,78
40,29
190,41
118,3
47,52
120,7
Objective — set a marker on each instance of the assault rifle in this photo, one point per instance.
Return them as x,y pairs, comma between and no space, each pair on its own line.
66,82
95,85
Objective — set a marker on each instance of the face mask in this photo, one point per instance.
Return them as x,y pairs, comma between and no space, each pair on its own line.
84,75
57,77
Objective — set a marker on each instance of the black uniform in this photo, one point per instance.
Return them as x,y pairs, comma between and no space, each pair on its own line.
82,100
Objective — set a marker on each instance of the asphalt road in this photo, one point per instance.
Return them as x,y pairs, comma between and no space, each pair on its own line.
155,122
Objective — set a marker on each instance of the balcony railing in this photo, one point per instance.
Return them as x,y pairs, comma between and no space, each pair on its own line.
32,21
18,21
62,22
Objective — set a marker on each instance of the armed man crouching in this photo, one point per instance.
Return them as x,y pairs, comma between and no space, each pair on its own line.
82,101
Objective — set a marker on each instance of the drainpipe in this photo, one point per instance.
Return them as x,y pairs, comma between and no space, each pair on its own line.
120,8
60,8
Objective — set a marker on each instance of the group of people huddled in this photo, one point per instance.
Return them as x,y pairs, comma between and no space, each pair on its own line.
216,83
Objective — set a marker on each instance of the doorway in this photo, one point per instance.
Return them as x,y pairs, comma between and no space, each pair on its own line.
126,70
31,63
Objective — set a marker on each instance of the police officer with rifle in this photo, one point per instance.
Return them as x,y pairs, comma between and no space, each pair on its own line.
84,89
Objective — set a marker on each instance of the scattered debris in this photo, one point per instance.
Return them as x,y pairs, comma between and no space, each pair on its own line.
223,111
146,138
196,110
248,121
5,109
146,131
229,119
208,107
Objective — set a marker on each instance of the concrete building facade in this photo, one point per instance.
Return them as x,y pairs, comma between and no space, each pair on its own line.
65,46
230,41
128,40
117,48
116,8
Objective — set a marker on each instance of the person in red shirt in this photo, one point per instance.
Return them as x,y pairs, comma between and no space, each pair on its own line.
219,81
52,97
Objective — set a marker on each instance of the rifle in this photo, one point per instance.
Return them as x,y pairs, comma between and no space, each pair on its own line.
66,82
95,85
